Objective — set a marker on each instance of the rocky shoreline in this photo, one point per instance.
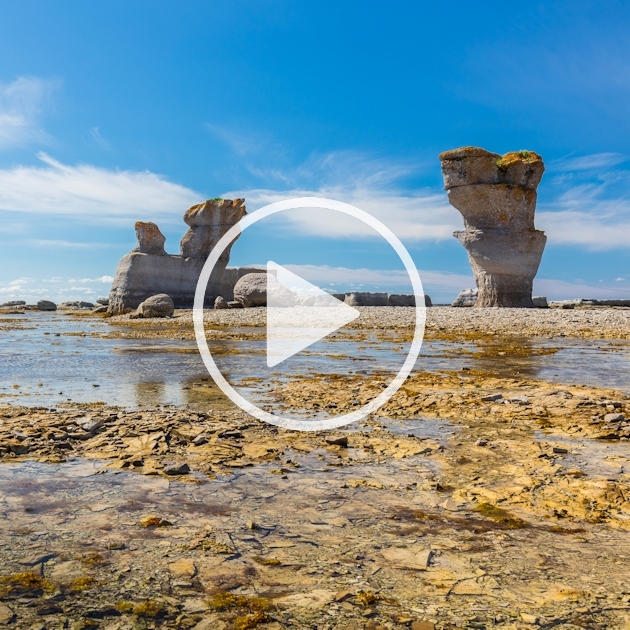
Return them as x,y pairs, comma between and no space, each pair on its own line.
442,322
470,500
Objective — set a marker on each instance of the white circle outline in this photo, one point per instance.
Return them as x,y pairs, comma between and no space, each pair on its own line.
231,235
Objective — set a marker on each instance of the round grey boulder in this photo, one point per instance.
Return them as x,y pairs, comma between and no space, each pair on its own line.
46,305
251,290
160,305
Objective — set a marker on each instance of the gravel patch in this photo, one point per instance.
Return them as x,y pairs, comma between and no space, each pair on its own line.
594,322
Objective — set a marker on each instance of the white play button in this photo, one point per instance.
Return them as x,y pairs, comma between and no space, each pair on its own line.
299,314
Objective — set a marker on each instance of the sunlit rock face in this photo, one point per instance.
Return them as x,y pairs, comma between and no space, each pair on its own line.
148,270
496,196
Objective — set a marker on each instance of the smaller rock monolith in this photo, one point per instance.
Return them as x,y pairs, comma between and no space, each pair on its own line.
150,239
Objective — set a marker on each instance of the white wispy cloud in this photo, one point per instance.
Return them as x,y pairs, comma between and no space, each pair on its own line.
589,206
56,288
240,142
371,184
342,279
441,286
98,138
563,290
22,103
93,195
587,162
57,243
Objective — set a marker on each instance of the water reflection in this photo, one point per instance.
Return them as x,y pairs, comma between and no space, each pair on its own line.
149,394
53,358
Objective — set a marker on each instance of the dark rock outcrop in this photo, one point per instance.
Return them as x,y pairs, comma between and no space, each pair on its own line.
220,303
496,196
46,305
401,299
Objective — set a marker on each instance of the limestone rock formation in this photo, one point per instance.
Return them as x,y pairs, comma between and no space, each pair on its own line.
400,299
466,297
208,222
150,239
159,305
496,196
148,270
366,299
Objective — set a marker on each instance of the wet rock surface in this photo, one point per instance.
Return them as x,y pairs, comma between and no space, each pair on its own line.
470,500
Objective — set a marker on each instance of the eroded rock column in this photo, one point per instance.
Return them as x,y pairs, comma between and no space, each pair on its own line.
496,196
208,222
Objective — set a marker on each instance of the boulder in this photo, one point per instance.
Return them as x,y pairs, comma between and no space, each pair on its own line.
150,239
339,296
220,303
46,305
366,299
466,297
496,196
148,270
160,305
15,303
540,302
234,304
104,301
253,289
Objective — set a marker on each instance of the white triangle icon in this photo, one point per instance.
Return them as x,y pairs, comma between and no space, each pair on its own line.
299,314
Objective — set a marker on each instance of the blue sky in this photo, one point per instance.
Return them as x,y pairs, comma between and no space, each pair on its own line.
114,111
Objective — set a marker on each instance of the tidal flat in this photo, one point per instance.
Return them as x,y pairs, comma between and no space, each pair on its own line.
493,490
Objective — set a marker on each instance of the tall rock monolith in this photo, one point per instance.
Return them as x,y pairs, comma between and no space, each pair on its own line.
496,196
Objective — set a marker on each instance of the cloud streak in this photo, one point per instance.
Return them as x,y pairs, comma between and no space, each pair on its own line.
56,288
93,195
22,103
